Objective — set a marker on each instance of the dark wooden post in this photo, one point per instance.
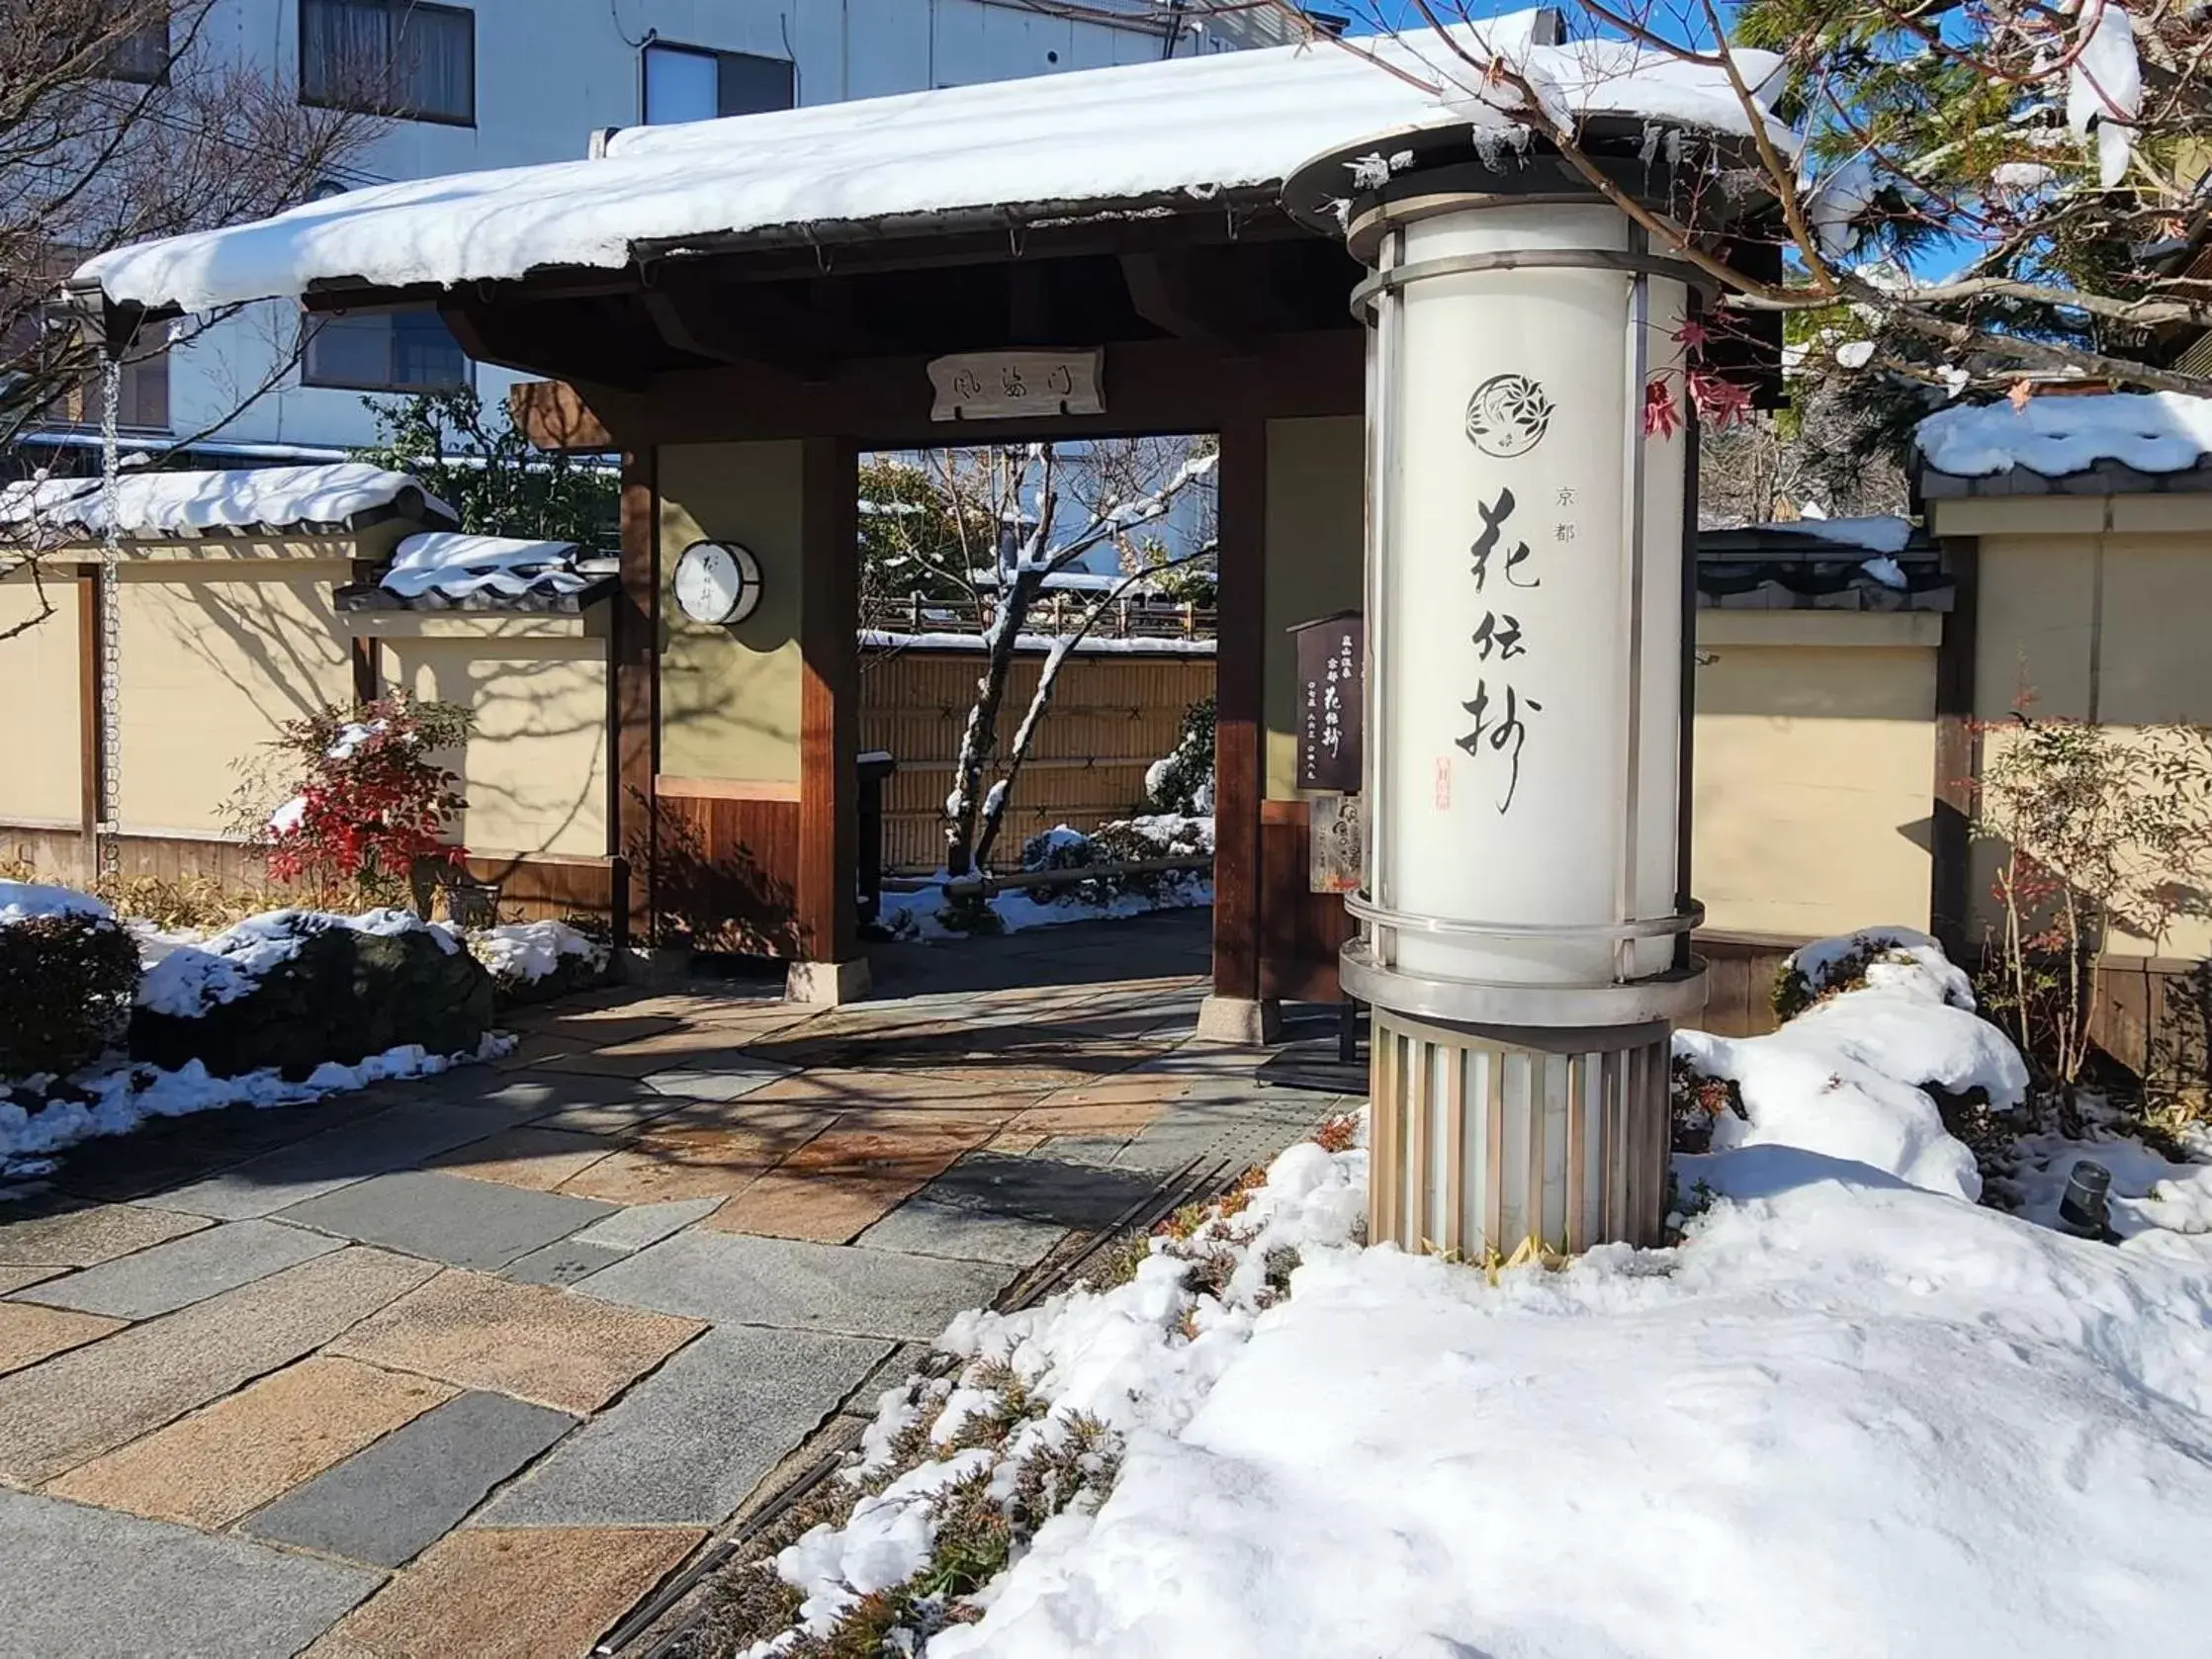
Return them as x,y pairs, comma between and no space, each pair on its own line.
1951,832
1234,1010
829,724
634,699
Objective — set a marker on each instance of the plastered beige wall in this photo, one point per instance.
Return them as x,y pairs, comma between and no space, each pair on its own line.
730,696
1315,540
2100,625
1814,767
40,780
216,657
535,769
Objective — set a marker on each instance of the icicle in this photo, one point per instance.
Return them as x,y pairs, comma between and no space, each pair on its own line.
107,855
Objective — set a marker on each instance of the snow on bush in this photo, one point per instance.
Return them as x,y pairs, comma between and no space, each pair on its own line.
526,952
1845,1078
68,969
188,977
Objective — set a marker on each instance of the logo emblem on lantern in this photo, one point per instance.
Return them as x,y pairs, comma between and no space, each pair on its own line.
1508,415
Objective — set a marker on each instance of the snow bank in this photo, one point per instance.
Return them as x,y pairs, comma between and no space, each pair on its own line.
1844,1078
123,1097
2150,431
915,914
1190,126
175,503
530,951
1844,1418
22,901
189,978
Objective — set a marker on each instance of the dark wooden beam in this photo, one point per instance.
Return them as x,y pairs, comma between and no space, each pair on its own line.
541,341
1957,751
1183,295
1238,741
829,699
750,324
635,696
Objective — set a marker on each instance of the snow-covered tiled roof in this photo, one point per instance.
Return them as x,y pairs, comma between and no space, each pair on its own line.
448,570
275,499
1094,140
2055,436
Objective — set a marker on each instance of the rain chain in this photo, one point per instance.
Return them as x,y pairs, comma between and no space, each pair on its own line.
108,854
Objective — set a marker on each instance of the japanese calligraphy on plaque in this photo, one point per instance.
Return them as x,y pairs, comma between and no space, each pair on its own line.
1332,667
1508,416
1011,384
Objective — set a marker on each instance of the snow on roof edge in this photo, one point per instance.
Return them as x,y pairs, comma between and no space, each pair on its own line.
2055,436
155,503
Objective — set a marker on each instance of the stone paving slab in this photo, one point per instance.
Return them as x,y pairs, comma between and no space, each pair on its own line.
13,1280
571,1352
645,1224
827,1208
86,1584
390,1503
62,1411
447,1218
731,1279
690,1442
222,1463
29,1335
169,1152
562,1262
727,1075
174,1275
85,1235
926,1225
511,1593
532,1156
671,1164
1038,1189
373,1145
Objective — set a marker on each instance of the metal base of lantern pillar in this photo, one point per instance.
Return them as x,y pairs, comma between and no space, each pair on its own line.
1483,1138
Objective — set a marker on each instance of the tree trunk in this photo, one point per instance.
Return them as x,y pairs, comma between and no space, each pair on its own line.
980,740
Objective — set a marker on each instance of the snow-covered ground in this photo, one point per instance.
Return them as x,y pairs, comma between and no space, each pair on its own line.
915,914
1851,1413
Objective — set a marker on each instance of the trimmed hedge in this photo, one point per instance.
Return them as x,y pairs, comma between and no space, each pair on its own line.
65,988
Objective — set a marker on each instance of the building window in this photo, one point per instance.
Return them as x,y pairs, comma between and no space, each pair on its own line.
142,55
396,57
141,400
389,351
692,83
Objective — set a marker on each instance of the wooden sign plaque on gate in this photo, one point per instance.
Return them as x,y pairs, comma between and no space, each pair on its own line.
1016,385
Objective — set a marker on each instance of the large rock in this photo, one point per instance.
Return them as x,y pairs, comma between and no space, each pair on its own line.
343,995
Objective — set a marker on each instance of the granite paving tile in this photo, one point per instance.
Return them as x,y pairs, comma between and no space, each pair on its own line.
84,1234
13,1280
561,1263
390,1140
170,1152
511,1593
28,1334
568,1352
664,1164
690,1442
728,1077
447,1218
533,1156
391,1502
645,1224
62,1411
733,1278
225,1461
827,1208
183,1270
926,1225
1039,1188
87,1584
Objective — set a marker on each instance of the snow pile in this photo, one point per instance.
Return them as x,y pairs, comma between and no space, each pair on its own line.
528,951
1844,1418
2150,431
26,901
919,913
457,567
117,1099
1884,534
1844,1079
178,503
189,977
1103,137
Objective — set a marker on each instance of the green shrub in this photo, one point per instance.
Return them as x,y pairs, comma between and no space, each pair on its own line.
65,988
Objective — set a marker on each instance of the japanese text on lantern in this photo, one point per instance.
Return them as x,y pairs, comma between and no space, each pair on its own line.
1508,416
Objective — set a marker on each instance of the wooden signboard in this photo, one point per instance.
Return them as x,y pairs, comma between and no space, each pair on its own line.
1335,842
1012,384
1332,670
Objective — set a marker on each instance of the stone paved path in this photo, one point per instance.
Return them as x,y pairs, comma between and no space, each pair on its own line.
465,1367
